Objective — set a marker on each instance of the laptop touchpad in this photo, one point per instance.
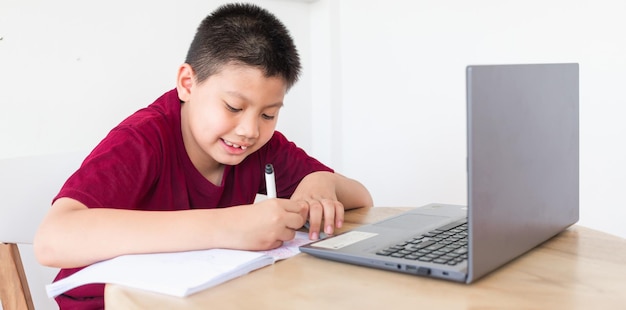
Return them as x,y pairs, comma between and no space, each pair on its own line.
413,221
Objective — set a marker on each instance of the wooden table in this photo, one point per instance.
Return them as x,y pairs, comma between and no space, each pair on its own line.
579,269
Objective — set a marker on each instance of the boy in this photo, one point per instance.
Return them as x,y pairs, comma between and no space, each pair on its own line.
182,173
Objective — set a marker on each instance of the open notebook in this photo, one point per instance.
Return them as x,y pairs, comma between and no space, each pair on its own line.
179,273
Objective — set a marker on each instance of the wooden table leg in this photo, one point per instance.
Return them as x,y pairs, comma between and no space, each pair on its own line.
14,291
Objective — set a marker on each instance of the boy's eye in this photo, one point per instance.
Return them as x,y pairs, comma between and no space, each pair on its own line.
267,117
232,109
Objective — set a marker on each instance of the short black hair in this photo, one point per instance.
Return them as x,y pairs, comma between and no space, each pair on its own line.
243,34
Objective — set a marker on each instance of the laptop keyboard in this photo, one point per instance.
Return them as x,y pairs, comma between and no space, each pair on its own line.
445,245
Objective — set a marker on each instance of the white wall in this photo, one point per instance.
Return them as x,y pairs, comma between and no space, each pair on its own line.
402,96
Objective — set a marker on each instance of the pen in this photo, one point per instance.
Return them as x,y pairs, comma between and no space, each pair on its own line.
270,182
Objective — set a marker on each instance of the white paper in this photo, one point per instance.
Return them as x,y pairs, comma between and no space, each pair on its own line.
179,273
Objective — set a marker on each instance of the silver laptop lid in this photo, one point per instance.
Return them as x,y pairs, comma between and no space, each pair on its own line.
522,159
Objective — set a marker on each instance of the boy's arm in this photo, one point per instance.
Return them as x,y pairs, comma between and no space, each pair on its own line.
72,235
351,193
328,195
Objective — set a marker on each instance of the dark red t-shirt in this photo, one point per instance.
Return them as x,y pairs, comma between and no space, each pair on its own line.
142,165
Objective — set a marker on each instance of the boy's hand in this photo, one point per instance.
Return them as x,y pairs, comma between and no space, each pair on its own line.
268,223
324,215
325,212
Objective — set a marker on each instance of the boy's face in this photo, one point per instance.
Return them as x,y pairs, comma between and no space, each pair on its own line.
229,116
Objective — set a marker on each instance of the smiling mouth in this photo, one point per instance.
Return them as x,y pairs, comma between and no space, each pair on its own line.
243,147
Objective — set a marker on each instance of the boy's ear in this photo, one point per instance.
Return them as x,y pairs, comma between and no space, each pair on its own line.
184,82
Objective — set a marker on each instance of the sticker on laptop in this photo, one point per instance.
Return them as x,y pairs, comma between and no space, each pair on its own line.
344,240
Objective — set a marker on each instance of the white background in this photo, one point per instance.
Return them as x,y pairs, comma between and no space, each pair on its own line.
381,99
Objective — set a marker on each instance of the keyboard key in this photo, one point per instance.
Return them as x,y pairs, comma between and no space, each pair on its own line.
425,244
460,251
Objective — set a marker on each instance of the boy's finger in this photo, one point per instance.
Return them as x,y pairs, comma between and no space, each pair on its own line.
333,215
316,212
339,213
300,206
329,216
286,235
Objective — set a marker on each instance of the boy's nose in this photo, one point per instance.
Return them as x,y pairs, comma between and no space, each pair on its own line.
248,127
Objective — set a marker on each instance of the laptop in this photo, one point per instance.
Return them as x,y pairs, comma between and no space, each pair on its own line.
523,182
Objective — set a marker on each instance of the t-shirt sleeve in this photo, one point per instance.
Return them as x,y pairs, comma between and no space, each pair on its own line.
116,174
291,164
